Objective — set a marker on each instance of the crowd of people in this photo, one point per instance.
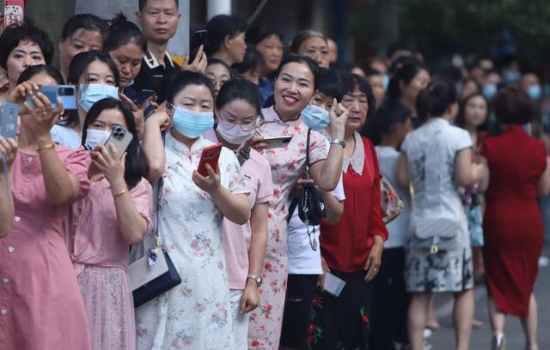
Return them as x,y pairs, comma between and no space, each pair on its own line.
455,144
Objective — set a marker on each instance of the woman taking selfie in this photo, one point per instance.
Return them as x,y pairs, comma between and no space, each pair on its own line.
41,306
119,203
191,207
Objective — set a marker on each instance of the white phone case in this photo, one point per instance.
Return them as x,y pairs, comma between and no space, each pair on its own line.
121,138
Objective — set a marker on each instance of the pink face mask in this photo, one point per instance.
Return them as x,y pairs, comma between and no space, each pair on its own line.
235,134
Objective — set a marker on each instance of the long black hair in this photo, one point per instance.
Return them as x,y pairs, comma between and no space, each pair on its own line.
136,164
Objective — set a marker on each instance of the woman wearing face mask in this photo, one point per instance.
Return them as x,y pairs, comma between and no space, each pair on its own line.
311,44
195,314
41,302
294,87
8,150
119,203
96,76
237,110
352,248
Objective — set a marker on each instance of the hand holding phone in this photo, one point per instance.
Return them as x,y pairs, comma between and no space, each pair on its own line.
277,142
120,138
210,155
65,93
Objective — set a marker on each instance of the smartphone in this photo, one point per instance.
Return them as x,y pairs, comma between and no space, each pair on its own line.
143,96
8,123
66,93
277,142
197,39
121,138
157,82
210,156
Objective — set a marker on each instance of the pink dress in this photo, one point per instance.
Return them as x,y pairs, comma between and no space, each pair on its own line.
100,258
287,165
40,302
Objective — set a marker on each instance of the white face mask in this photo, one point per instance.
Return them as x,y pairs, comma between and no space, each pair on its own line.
235,134
95,138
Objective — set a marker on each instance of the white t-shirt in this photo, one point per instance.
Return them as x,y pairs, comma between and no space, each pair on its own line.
398,229
66,137
302,260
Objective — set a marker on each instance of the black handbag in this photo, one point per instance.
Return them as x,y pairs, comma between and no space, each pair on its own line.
153,274
311,207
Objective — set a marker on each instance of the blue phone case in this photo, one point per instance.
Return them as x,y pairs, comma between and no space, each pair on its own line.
8,127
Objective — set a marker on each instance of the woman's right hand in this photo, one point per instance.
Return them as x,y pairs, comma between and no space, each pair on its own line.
21,91
257,143
40,118
160,120
8,149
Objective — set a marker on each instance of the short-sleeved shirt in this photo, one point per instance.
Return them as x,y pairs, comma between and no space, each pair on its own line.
236,238
151,67
398,229
431,151
66,137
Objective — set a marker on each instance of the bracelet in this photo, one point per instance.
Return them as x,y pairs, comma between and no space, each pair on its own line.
46,147
118,194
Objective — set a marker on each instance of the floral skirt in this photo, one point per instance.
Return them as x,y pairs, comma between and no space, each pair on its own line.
445,271
342,323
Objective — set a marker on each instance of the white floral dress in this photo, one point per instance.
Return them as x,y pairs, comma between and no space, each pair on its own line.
287,165
195,314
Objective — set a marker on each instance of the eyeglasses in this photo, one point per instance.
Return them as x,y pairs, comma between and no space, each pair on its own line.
244,125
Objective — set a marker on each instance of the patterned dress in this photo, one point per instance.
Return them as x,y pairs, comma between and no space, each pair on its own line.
195,314
436,195
287,164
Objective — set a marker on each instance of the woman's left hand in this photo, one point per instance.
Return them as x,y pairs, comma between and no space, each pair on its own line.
338,118
111,165
375,259
210,183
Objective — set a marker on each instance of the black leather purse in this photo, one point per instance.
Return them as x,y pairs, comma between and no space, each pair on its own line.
155,273
311,207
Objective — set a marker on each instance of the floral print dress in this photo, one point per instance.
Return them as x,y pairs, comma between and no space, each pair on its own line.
287,164
195,314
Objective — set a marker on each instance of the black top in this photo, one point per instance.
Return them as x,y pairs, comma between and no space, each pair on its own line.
150,68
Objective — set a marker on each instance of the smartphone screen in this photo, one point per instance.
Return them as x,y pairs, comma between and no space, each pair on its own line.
143,96
210,155
8,124
121,138
277,142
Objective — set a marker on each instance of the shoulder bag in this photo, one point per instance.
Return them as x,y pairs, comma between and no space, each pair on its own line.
391,203
155,273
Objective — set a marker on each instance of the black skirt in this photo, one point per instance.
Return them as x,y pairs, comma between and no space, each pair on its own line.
342,322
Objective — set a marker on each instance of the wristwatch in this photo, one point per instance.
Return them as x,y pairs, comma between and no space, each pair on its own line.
256,278
338,142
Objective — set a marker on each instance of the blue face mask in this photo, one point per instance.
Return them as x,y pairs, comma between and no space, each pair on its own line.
534,91
315,117
92,93
192,124
385,81
489,91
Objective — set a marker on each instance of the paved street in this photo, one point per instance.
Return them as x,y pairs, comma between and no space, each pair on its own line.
444,337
